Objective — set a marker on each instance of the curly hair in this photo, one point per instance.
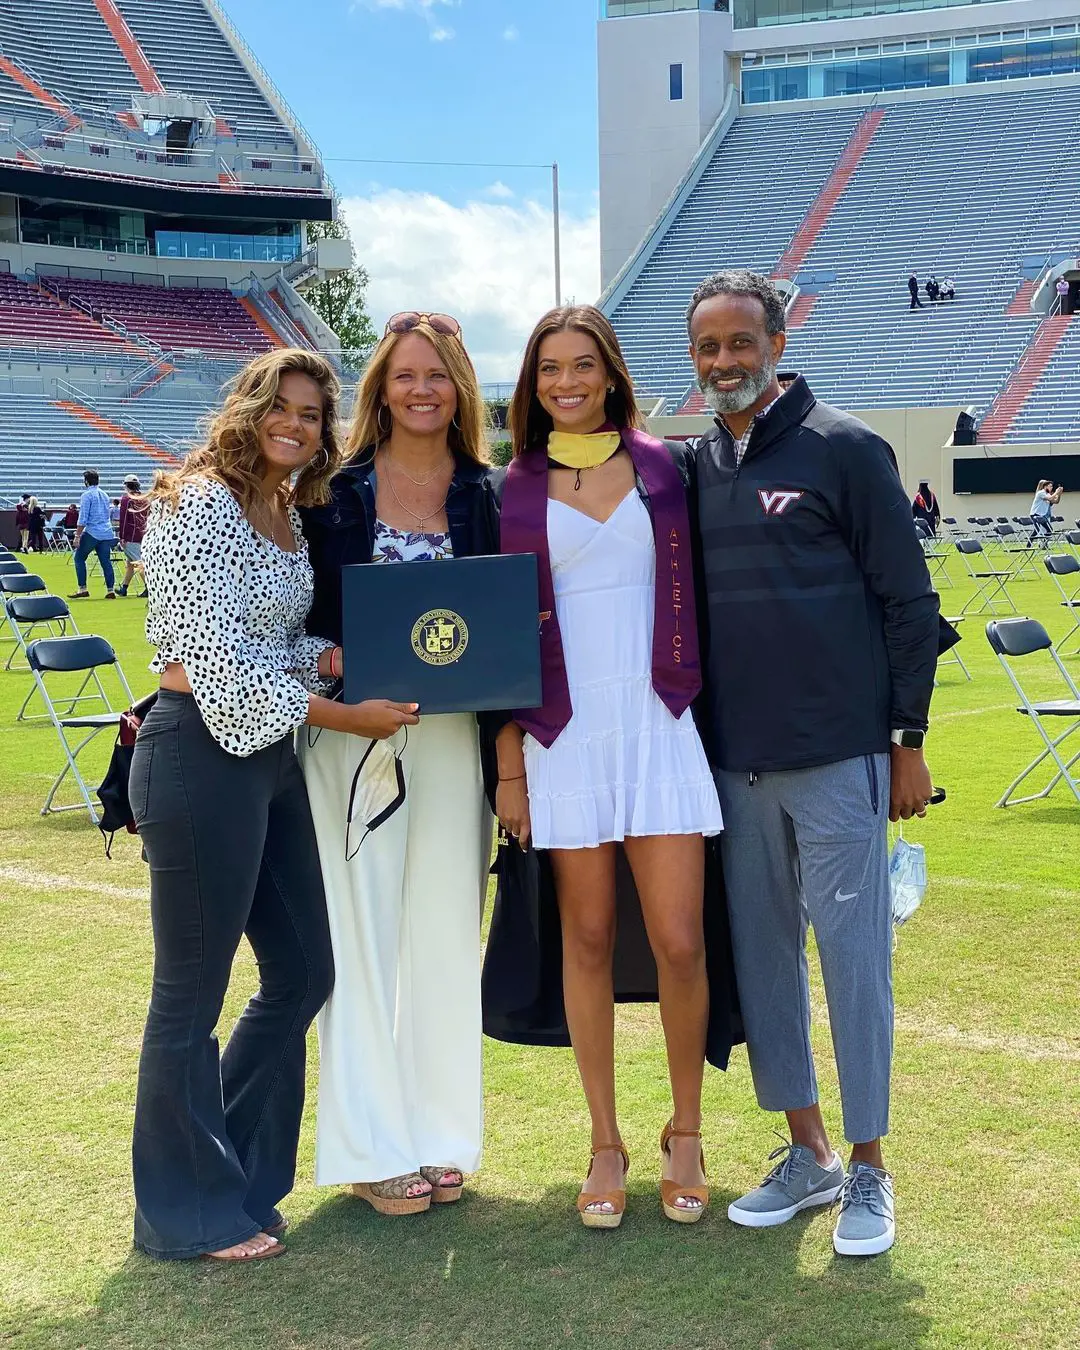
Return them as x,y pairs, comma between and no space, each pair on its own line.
230,453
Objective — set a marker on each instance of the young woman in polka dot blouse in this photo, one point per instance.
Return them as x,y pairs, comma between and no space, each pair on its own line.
223,813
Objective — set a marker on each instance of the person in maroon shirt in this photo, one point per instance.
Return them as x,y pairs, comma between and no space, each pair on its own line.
132,527
22,522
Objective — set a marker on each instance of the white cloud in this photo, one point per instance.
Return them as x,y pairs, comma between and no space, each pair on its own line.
510,34
437,32
488,264
500,191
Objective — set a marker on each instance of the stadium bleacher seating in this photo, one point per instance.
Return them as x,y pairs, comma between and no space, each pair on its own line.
66,46
31,318
860,346
1052,410
203,64
43,450
192,317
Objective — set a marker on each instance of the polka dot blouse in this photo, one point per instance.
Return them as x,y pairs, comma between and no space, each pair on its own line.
229,605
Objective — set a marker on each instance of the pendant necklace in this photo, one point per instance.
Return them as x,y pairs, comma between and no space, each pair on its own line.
420,520
417,482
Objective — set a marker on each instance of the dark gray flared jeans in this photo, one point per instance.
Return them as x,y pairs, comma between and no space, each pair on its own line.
232,853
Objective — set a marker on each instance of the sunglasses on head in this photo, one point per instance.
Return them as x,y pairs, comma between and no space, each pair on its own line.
409,319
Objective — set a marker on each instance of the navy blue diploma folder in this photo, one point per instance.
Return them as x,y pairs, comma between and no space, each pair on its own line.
453,636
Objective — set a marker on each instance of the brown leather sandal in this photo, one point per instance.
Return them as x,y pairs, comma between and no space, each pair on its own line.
441,1193
670,1191
392,1196
616,1199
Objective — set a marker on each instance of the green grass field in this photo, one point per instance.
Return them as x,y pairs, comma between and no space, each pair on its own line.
986,1116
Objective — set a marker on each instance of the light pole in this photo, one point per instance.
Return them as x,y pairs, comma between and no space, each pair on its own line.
558,242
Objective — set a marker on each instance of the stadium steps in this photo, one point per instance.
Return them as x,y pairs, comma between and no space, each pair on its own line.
118,432
264,326
695,404
38,91
1020,304
125,39
800,310
156,375
95,332
821,209
1010,402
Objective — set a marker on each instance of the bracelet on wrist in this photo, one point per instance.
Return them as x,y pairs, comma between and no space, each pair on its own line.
335,664
515,779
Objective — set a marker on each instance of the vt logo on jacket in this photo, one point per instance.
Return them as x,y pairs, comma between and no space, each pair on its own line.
776,503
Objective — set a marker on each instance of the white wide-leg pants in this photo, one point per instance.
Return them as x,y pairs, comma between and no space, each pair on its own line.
400,1037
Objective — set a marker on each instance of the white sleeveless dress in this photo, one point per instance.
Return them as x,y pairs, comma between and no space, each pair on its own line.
623,765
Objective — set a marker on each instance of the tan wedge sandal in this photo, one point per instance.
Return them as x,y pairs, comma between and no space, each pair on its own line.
616,1199
671,1191
441,1193
392,1196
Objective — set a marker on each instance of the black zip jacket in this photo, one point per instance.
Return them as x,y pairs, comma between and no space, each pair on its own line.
343,531
819,621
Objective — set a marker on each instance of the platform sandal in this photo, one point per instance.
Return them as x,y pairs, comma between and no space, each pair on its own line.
441,1193
392,1196
616,1199
671,1191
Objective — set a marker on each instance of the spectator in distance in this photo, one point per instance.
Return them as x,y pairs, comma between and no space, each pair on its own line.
1062,289
36,516
94,534
1046,498
22,521
808,553
131,527
925,507
933,290
913,289
948,289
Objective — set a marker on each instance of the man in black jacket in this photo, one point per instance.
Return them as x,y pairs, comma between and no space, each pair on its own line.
820,631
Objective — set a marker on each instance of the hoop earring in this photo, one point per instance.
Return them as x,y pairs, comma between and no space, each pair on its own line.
383,431
455,423
326,461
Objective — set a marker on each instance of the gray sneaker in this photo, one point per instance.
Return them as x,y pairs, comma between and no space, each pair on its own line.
797,1182
866,1225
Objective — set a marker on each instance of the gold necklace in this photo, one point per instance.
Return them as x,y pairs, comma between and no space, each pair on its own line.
428,515
418,482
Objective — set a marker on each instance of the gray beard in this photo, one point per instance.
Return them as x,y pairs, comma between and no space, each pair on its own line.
738,400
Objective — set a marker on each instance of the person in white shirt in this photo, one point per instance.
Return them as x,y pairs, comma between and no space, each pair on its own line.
223,814
1046,498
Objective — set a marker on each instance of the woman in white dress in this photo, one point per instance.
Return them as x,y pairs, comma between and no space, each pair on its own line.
613,756
403,828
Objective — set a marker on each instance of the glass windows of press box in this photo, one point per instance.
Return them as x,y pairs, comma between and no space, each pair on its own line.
761,13
1015,60
675,82
622,9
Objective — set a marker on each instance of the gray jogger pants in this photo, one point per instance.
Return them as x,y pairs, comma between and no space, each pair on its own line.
810,846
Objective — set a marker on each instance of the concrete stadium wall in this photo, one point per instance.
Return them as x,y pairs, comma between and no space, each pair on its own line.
920,436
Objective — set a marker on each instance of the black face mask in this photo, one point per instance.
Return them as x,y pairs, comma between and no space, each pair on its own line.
378,789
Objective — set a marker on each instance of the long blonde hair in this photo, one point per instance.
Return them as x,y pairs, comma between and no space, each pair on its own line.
467,434
231,455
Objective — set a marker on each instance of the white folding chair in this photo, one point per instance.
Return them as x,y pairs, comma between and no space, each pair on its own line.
990,583
1066,565
1013,639
952,657
65,656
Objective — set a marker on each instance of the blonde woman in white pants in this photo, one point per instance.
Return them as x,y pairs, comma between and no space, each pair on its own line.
400,1113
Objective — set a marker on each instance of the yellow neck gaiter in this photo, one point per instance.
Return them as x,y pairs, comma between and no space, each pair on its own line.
582,452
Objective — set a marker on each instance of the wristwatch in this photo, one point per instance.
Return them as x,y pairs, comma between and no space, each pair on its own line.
907,739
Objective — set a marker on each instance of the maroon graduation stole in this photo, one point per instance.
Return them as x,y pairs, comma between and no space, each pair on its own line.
676,666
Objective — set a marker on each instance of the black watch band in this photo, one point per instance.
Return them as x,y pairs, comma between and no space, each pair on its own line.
908,739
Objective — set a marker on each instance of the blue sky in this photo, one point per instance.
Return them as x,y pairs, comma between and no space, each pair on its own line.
465,80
